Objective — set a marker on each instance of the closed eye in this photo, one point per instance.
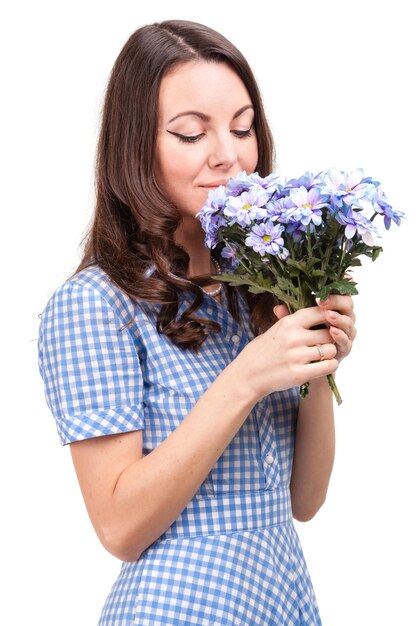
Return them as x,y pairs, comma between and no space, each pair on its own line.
241,134
186,138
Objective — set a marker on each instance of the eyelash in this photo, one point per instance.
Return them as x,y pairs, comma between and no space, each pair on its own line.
241,134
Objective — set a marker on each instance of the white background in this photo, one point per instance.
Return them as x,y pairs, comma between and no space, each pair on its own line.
338,81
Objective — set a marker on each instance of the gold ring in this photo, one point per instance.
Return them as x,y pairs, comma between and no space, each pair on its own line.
321,351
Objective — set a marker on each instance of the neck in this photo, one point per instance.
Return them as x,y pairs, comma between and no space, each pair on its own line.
192,240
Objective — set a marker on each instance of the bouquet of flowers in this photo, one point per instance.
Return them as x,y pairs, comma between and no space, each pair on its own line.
296,238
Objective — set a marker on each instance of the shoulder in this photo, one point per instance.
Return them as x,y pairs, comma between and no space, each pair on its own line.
88,360
90,290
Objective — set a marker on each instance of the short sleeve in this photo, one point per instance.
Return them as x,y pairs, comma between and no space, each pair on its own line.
89,365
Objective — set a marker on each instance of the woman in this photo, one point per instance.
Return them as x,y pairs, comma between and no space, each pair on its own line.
178,395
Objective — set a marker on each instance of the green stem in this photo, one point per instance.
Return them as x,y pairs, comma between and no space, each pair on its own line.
310,251
284,296
326,257
280,263
290,245
246,268
300,290
342,258
333,387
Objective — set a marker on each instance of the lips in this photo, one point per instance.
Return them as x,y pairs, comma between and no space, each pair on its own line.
214,184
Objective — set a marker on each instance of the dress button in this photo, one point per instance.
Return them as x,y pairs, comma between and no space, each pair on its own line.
235,338
269,459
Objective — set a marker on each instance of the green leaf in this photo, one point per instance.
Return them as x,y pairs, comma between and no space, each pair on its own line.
342,287
304,389
304,267
283,283
263,281
293,272
260,285
317,273
333,229
376,252
256,289
286,298
234,279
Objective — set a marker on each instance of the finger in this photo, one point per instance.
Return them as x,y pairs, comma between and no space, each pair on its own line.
310,316
344,304
343,322
321,352
321,368
280,310
313,337
341,339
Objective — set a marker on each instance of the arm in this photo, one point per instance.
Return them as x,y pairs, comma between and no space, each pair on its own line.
315,433
313,451
132,499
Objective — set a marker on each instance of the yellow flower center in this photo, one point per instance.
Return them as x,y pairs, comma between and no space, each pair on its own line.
246,207
348,189
266,238
307,205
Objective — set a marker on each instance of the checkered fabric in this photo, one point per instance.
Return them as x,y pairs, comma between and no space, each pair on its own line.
233,556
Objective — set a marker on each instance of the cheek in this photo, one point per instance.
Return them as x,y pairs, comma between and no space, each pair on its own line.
191,159
182,164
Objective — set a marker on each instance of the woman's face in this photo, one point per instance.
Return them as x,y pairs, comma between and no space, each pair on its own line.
205,132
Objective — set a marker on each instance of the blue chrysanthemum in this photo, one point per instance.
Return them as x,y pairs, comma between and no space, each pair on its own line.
247,207
266,238
381,206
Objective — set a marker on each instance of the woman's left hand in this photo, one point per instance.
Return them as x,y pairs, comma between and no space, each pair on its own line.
341,319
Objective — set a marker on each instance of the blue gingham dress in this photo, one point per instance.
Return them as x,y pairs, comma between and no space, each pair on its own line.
233,556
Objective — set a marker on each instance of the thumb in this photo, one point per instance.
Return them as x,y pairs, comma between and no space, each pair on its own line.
280,310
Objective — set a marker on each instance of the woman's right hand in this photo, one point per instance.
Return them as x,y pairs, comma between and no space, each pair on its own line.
286,355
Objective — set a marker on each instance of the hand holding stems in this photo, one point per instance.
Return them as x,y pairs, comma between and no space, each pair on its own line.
286,354
340,319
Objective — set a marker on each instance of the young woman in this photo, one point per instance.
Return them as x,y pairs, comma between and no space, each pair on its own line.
179,396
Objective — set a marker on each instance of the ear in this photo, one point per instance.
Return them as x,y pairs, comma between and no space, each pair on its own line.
280,310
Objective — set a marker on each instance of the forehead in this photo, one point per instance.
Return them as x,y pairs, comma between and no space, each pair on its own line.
209,87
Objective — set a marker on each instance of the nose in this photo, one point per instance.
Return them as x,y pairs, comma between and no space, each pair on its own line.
223,153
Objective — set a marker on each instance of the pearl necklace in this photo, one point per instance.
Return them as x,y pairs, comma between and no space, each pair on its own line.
215,291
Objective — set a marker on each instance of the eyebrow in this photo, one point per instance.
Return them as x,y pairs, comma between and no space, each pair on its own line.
207,118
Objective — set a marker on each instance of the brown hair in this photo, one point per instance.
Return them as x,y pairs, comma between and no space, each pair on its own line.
134,223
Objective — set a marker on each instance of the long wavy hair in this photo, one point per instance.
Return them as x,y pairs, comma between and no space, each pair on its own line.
133,225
